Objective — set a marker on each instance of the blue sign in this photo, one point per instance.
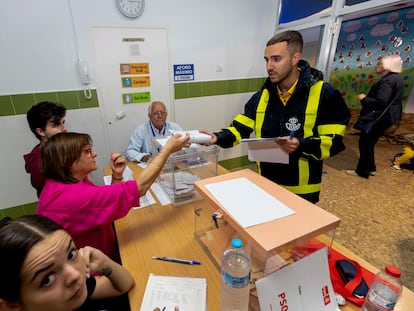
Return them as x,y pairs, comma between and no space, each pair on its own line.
184,72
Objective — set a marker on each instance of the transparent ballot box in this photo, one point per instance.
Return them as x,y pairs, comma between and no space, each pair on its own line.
271,244
183,168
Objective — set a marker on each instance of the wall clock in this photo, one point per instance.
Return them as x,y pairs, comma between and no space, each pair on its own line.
130,8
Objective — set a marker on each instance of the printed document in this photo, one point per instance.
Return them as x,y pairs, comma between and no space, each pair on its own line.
170,292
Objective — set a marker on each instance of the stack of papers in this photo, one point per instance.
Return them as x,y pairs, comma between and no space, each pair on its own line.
175,293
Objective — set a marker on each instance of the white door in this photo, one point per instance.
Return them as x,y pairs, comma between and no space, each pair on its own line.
125,91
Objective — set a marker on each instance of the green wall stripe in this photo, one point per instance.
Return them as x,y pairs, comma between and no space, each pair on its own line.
212,88
16,211
20,103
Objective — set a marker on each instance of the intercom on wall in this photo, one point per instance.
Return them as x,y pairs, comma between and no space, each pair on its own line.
84,77
84,72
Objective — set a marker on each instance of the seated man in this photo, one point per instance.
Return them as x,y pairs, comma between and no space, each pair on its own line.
140,147
45,120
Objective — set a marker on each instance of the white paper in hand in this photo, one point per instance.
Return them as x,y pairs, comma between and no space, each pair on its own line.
195,136
266,150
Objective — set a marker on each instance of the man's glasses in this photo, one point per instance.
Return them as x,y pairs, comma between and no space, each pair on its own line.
159,114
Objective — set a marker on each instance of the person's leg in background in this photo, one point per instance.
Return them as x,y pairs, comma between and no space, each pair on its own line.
407,155
366,163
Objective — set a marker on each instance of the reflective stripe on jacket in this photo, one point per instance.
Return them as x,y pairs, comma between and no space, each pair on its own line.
311,111
316,114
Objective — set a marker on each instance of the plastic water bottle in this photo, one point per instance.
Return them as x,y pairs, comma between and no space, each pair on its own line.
384,291
235,278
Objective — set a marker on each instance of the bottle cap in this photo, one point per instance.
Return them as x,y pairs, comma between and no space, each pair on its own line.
236,243
393,270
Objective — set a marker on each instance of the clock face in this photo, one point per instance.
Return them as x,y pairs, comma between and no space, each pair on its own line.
130,8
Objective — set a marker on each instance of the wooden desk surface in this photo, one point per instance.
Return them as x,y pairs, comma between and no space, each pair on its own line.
169,231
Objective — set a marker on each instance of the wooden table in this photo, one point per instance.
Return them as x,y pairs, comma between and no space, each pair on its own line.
169,231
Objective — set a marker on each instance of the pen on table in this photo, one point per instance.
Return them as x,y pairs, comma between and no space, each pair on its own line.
177,260
292,133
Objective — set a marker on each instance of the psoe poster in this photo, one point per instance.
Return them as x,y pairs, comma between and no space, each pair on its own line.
184,72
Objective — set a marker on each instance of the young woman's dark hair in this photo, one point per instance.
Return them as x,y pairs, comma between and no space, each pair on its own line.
17,237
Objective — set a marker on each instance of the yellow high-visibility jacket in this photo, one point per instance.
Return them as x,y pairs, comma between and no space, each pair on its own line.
317,116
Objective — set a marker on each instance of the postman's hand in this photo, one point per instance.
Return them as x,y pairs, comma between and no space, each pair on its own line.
213,139
288,144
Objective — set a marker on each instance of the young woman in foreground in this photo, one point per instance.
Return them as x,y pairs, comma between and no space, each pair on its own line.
43,269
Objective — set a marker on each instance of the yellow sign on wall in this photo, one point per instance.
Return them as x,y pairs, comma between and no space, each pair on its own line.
136,81
134,69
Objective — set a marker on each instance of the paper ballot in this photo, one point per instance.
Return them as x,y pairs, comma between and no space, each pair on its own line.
195,136
265,150
302,286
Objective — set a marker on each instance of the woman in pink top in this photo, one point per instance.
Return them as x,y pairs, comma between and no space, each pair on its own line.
84,209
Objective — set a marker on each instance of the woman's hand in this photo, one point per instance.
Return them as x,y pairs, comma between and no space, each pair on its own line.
118,165
96,261
115,280
176,143
361,96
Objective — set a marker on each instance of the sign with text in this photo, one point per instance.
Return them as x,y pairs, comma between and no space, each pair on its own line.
184,72
136,81
136,98
134,69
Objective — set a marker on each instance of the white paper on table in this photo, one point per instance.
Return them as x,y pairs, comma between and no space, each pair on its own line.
160,193
305,285
142,164
266,150
169,292
146,200
248,204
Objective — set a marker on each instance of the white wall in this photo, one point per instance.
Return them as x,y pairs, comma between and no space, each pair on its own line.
40,48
